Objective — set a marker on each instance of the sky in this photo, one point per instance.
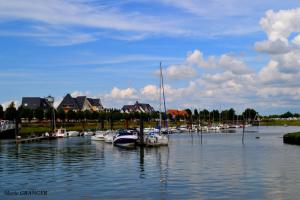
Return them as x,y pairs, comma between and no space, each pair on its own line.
215,54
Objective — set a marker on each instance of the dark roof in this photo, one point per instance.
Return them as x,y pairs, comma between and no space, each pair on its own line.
35,102
95,102
80,101
138,107
68,101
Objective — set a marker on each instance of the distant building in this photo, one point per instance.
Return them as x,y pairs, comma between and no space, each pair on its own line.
180,113
80,103
35,102
138,107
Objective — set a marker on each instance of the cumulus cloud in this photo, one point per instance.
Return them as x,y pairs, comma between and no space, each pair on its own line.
224,62
128,93
272,47
179,72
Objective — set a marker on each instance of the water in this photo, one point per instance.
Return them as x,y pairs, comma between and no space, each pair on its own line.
221,168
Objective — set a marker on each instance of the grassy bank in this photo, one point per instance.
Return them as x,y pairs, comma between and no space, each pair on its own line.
292,138
38,128
280,123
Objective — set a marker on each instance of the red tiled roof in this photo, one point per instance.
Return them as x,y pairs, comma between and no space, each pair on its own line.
177,112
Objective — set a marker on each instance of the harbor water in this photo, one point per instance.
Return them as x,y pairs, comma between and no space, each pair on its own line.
219,168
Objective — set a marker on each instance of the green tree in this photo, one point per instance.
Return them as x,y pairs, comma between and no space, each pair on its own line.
231,114
25,113
87,114
95,115
10,112
249,114
39,113
287,115
61,115
71,115
1,112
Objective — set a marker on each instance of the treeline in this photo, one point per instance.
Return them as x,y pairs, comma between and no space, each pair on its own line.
40,114
285,115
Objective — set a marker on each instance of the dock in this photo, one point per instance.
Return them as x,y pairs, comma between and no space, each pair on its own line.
33,139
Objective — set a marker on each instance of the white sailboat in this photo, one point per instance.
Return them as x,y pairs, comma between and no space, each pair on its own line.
157,138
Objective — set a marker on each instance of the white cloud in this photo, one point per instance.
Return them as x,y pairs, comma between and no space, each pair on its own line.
179,72
79,93
279,25
122,94
272,47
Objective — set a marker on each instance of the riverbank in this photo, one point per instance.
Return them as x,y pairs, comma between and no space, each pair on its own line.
280,123
292,138
38,128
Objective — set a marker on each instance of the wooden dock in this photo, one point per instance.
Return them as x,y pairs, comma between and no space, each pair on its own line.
33,139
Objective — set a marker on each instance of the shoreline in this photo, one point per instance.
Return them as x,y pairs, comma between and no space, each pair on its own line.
292,138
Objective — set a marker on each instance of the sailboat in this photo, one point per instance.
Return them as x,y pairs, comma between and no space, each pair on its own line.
159,137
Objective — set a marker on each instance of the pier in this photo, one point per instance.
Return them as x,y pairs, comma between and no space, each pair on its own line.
33,139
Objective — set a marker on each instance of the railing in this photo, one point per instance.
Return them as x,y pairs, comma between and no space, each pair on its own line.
7,125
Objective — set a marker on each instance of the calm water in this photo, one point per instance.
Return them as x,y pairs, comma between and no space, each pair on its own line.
220,168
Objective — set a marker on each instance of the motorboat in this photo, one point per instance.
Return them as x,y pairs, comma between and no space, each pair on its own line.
88,133
73,133
125,138
60,133
109,137
99,136
156,139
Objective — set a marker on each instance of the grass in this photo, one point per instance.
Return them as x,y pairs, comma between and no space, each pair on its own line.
280,123
292,138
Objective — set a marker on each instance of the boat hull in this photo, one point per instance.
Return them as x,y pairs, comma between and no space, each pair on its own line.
125,142
8,134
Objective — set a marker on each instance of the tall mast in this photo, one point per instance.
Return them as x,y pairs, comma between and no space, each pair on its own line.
163,92
160,86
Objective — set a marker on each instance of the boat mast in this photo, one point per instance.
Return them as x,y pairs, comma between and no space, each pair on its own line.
160,85
164,99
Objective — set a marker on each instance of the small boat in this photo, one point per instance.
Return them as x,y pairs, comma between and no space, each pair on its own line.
109,137
60,133
156,139
88,133
73,134
99,136
125,138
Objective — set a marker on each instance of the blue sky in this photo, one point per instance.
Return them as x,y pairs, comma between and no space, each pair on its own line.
216,54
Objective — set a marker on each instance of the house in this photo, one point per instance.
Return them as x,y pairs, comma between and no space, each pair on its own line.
138,107
80,103
180,113
35,102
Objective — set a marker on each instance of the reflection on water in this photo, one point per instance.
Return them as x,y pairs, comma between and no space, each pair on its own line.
219,168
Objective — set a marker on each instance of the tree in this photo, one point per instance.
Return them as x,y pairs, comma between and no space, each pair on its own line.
249,114
87,114
1,112
195,115
61,115
287,115
39,113
71,115
231,114
11,112
95,115
189,112
204,114
25,113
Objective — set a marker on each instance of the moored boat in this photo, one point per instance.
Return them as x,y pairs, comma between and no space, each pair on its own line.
99,136
125,138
